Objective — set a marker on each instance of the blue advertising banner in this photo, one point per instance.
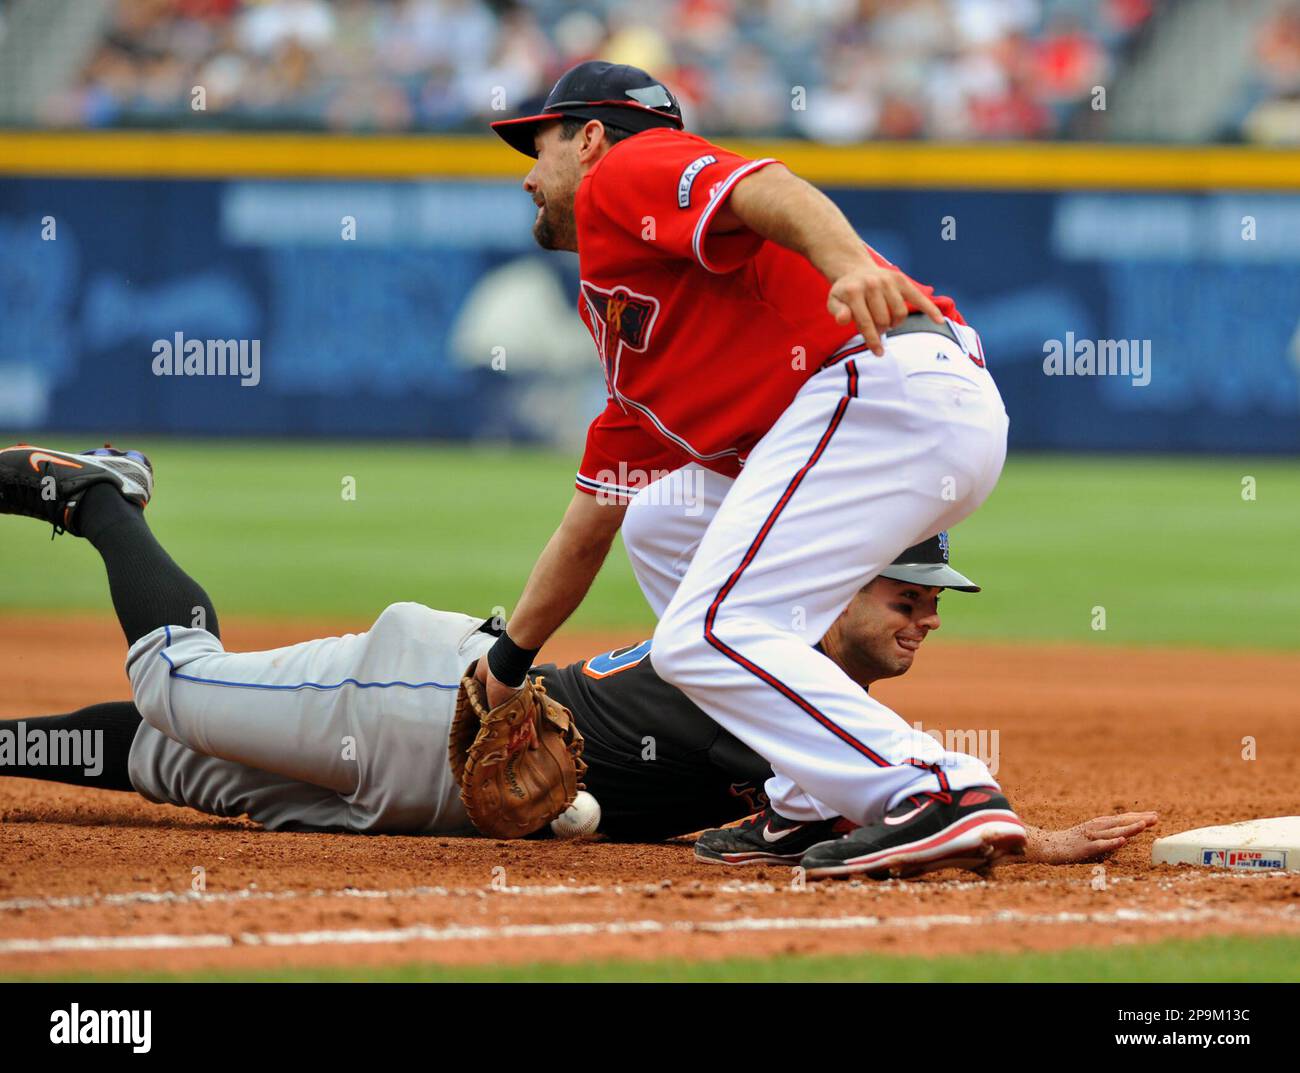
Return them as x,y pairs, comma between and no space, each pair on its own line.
1111,321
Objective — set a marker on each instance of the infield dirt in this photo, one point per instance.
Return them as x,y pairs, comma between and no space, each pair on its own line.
101,882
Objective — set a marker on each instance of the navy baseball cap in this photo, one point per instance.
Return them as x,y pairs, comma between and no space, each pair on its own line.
927,564
615,93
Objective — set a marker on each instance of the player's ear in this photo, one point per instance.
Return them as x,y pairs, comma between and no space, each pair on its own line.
592,141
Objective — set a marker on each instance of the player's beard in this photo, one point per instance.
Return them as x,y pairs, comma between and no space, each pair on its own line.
555,229
870,658
873,666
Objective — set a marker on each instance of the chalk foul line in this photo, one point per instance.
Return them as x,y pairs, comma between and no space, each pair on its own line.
553,890
423,933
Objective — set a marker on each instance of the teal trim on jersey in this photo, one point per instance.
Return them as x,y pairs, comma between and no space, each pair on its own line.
620,659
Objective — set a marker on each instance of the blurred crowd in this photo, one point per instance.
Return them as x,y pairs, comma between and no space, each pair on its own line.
1273,114
835,70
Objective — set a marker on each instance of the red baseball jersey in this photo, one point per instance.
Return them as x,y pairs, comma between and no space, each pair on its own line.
705,337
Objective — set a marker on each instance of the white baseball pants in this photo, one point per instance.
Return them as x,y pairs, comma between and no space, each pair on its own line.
872,456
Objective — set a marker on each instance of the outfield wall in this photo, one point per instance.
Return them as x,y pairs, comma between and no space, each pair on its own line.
1180,266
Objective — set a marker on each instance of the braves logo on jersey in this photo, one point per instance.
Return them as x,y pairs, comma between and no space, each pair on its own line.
751,793
619,317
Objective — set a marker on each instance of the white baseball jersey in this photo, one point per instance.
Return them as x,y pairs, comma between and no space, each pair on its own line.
279,735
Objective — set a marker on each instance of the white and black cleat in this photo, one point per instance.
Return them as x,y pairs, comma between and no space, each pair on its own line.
36,482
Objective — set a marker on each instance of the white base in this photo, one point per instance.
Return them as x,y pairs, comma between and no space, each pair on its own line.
1251,846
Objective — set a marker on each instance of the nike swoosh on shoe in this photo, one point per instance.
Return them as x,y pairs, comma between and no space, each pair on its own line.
894,821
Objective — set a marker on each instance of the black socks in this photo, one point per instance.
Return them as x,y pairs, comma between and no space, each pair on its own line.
86,748
148,588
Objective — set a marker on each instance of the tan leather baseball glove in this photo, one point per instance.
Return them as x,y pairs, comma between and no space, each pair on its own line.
518,765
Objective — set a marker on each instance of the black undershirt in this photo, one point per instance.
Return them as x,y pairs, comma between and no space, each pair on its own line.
656,763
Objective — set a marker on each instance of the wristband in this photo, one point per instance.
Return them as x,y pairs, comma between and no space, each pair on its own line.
508,662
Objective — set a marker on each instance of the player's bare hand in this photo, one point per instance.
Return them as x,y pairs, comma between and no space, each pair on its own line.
497,692
875,298
1088,841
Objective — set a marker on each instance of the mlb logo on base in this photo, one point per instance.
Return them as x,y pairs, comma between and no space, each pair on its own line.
1254,860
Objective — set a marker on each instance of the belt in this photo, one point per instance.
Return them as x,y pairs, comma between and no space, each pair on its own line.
913,322
919,322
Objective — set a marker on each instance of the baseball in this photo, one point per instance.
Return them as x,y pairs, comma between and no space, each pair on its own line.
579,819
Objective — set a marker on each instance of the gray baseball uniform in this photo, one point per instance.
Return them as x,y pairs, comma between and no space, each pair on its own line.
279,735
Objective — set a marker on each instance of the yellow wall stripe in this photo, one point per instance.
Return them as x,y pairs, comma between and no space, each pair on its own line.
1051,166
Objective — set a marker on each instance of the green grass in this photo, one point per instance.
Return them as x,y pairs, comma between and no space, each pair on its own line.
1168,547
267,531
1216,959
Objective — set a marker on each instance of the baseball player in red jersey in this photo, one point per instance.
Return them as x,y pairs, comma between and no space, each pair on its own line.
828,411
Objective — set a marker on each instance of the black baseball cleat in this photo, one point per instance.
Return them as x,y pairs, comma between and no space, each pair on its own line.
765,838
926,832
48,485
